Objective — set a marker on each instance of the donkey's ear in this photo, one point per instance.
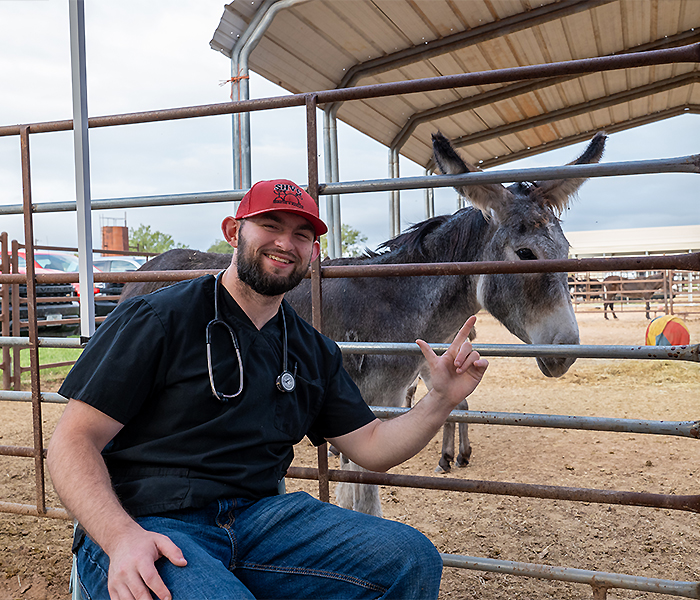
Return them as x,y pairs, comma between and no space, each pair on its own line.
485,197
557,193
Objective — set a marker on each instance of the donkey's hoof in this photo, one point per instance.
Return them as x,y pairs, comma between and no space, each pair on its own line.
462,462
443,466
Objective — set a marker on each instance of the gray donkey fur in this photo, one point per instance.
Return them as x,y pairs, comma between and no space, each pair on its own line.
515,223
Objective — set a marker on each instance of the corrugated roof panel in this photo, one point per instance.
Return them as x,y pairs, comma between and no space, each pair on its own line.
667,19
580,36
607,23
508,8
316,37
371,33
440,16
474,58
552,39
529,48
324,70
638,21
407,20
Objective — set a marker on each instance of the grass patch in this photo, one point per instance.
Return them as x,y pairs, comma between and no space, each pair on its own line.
53,376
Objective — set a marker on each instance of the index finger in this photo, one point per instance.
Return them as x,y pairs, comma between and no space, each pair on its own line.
463,334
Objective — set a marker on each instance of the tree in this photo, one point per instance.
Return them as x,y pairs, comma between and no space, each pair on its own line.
351,240
221,246
145,240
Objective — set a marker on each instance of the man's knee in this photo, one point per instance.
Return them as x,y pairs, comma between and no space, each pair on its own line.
421,555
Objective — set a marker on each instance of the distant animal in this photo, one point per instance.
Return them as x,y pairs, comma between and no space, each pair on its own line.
640,287
519,222
584,289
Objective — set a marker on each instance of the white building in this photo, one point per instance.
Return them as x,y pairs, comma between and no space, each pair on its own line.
634,242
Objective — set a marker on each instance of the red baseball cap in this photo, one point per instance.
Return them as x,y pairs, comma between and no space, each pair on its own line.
284,195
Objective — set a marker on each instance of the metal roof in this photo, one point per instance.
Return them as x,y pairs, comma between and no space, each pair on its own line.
326,44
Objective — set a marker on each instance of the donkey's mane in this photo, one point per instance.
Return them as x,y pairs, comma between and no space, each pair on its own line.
460,233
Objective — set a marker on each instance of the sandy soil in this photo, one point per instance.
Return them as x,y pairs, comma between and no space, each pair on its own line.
35,555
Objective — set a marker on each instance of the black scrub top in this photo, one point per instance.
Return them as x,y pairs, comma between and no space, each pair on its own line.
181,447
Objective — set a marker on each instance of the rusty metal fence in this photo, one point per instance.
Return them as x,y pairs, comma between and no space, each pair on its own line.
600,582
676,292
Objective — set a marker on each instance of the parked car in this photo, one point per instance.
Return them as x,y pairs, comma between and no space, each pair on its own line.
118,264
68,263
64,305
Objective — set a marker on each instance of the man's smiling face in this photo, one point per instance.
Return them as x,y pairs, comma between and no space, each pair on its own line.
274,252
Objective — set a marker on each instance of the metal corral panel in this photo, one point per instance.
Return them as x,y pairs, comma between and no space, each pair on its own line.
324,44
636,241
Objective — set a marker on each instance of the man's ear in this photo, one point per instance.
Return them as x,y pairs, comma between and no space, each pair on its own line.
230,228
316,250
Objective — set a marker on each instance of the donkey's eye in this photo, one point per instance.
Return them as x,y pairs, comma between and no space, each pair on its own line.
526,254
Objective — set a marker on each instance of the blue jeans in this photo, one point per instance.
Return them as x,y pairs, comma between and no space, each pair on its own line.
288,546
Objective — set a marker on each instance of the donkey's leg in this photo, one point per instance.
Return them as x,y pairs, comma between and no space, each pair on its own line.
410,394
648,309
465,448
359,497
447,453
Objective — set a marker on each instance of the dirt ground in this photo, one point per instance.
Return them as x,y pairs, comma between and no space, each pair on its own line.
35,552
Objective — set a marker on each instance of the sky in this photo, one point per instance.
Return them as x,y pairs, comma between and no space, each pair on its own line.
155,54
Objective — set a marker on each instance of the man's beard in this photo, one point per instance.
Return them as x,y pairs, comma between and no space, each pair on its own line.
251,273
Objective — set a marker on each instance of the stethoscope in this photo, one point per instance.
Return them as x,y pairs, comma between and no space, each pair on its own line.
285,381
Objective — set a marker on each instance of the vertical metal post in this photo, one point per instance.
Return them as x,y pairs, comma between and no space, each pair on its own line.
240,89
240,53
32,325
330,206
394,206
335,166
395,198
16,325
429,200
82,167
5,298
236,126
316,308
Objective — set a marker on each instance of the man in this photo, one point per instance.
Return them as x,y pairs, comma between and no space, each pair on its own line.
183,411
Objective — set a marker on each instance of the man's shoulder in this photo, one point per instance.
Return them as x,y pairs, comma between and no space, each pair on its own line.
169,304
180,295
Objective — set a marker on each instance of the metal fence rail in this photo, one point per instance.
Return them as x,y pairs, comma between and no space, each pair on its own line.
682,164
690,429
600,581
690,352
690,503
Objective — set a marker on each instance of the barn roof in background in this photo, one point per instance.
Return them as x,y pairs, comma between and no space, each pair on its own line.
634,241
327,44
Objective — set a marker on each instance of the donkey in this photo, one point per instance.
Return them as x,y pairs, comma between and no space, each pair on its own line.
515,223
640,287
